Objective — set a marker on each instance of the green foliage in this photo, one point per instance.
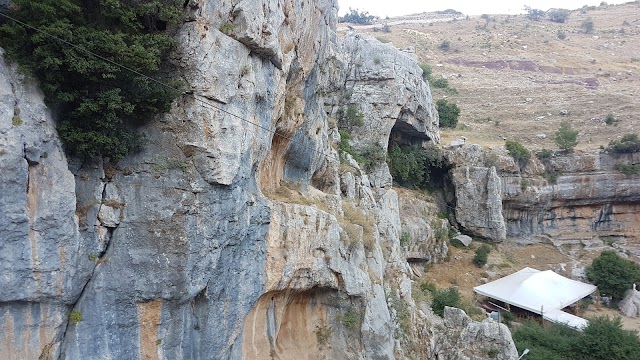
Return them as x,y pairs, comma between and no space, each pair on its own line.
226,28
440,230
97,102
350,116
445,45
611,119
612,274
628,169
410,165
544,154
566,137
352,319
357,17
428,286
75,316
559,15
439,83
518,152
404,238
587,26
447,297
553,342
482,255
370,156
16,121
603,338
426,71
448,113
534,14
628,144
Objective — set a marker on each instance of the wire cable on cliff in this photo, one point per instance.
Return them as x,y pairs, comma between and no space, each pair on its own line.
197,98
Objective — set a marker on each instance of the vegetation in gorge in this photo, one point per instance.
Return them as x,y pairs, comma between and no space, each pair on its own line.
603,338
98,104
411,165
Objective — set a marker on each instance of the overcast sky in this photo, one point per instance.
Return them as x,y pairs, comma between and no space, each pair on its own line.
385,8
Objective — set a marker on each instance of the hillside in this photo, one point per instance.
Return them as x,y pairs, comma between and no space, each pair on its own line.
515,77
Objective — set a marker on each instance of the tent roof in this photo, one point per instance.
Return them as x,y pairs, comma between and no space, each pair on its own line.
561,317
535,290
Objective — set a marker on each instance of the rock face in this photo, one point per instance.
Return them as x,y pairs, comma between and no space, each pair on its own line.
630,303
569,199
458,337
221,239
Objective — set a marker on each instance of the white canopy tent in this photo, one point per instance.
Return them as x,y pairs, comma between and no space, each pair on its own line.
541,292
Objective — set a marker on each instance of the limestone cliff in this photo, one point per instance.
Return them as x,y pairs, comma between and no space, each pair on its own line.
239,231
569,199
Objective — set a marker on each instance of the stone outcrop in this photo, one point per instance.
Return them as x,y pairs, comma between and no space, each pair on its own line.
568,199
220,239
630,303
456,336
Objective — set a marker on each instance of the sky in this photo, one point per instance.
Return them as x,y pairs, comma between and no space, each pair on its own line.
384,8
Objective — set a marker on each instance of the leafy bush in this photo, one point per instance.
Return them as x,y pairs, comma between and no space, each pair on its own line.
447,297
428,286
628,169
603,338
559,15
628,144
357,17
534,14
352,319
350,116
448,113
587,25
371,155
612,274
611,119
544,154
426,71
482,255
518,152
440,83
75,316
97,102
410,164
566,137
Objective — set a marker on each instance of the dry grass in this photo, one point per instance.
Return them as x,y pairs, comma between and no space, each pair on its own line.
518,104
358,225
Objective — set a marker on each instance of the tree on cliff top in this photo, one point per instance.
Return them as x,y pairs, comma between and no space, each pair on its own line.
97,103
566,137
356,17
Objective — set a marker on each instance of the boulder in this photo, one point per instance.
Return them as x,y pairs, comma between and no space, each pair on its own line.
630,304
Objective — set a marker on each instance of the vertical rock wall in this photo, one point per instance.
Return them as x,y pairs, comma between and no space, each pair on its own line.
219,239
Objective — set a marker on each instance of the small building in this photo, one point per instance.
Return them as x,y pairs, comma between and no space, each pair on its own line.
542,292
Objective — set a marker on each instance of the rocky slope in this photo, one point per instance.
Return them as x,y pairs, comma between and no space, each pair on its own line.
220,239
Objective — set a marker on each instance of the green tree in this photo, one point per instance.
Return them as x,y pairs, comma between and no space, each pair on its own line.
630,143
587,25
447,297
612,274
98,104
357,17
566,137
604,338
518,152
426,72
482,255
534,14
448,113
559,15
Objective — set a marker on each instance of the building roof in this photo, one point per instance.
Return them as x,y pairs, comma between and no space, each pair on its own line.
541,292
